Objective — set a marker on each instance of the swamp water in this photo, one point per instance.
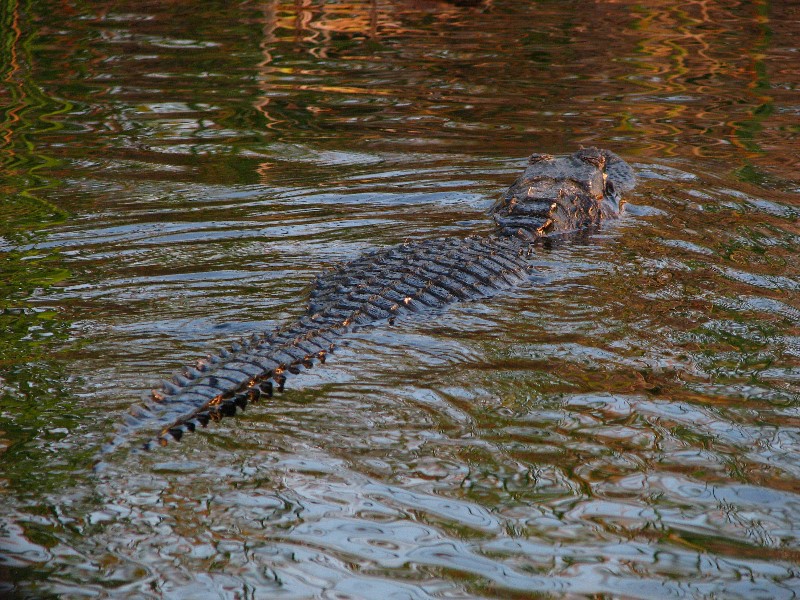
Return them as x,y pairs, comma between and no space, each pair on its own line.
626,425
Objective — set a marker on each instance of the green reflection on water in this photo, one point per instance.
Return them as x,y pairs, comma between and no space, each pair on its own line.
31,379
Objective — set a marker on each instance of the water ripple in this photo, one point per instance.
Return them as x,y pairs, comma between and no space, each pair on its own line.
624,424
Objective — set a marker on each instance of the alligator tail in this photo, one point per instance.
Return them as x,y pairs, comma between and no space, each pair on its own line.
378,287
220,384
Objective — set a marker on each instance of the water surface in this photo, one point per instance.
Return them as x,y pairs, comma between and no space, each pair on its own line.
626,424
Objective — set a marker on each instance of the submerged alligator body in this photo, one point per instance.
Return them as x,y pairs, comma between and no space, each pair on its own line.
553,196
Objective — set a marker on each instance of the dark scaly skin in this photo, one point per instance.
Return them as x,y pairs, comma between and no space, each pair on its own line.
553,196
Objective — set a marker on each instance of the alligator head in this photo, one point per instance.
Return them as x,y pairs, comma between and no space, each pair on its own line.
562,194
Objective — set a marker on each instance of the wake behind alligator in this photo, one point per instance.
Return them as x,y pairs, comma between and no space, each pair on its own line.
553,196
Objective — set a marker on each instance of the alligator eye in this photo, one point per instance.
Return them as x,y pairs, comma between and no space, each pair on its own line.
610,191
535,158
591,156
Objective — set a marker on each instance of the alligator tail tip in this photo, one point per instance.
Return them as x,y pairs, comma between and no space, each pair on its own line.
153,444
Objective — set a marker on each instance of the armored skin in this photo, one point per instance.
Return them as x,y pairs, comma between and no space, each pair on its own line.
553,196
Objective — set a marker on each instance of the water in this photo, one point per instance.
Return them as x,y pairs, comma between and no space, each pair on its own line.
626,425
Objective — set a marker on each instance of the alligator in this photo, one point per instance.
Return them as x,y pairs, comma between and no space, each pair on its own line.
552,197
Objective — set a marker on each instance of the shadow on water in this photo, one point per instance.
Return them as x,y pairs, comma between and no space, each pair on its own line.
624,425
